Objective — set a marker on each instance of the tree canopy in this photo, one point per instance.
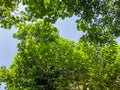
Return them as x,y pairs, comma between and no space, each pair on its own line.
46,61
97,18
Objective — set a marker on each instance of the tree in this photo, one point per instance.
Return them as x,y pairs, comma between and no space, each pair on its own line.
98,18
40,58
45,61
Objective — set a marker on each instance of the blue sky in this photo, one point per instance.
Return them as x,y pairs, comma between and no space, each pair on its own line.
8,45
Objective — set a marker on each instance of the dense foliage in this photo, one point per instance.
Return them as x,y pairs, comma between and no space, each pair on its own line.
45,61
98,18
